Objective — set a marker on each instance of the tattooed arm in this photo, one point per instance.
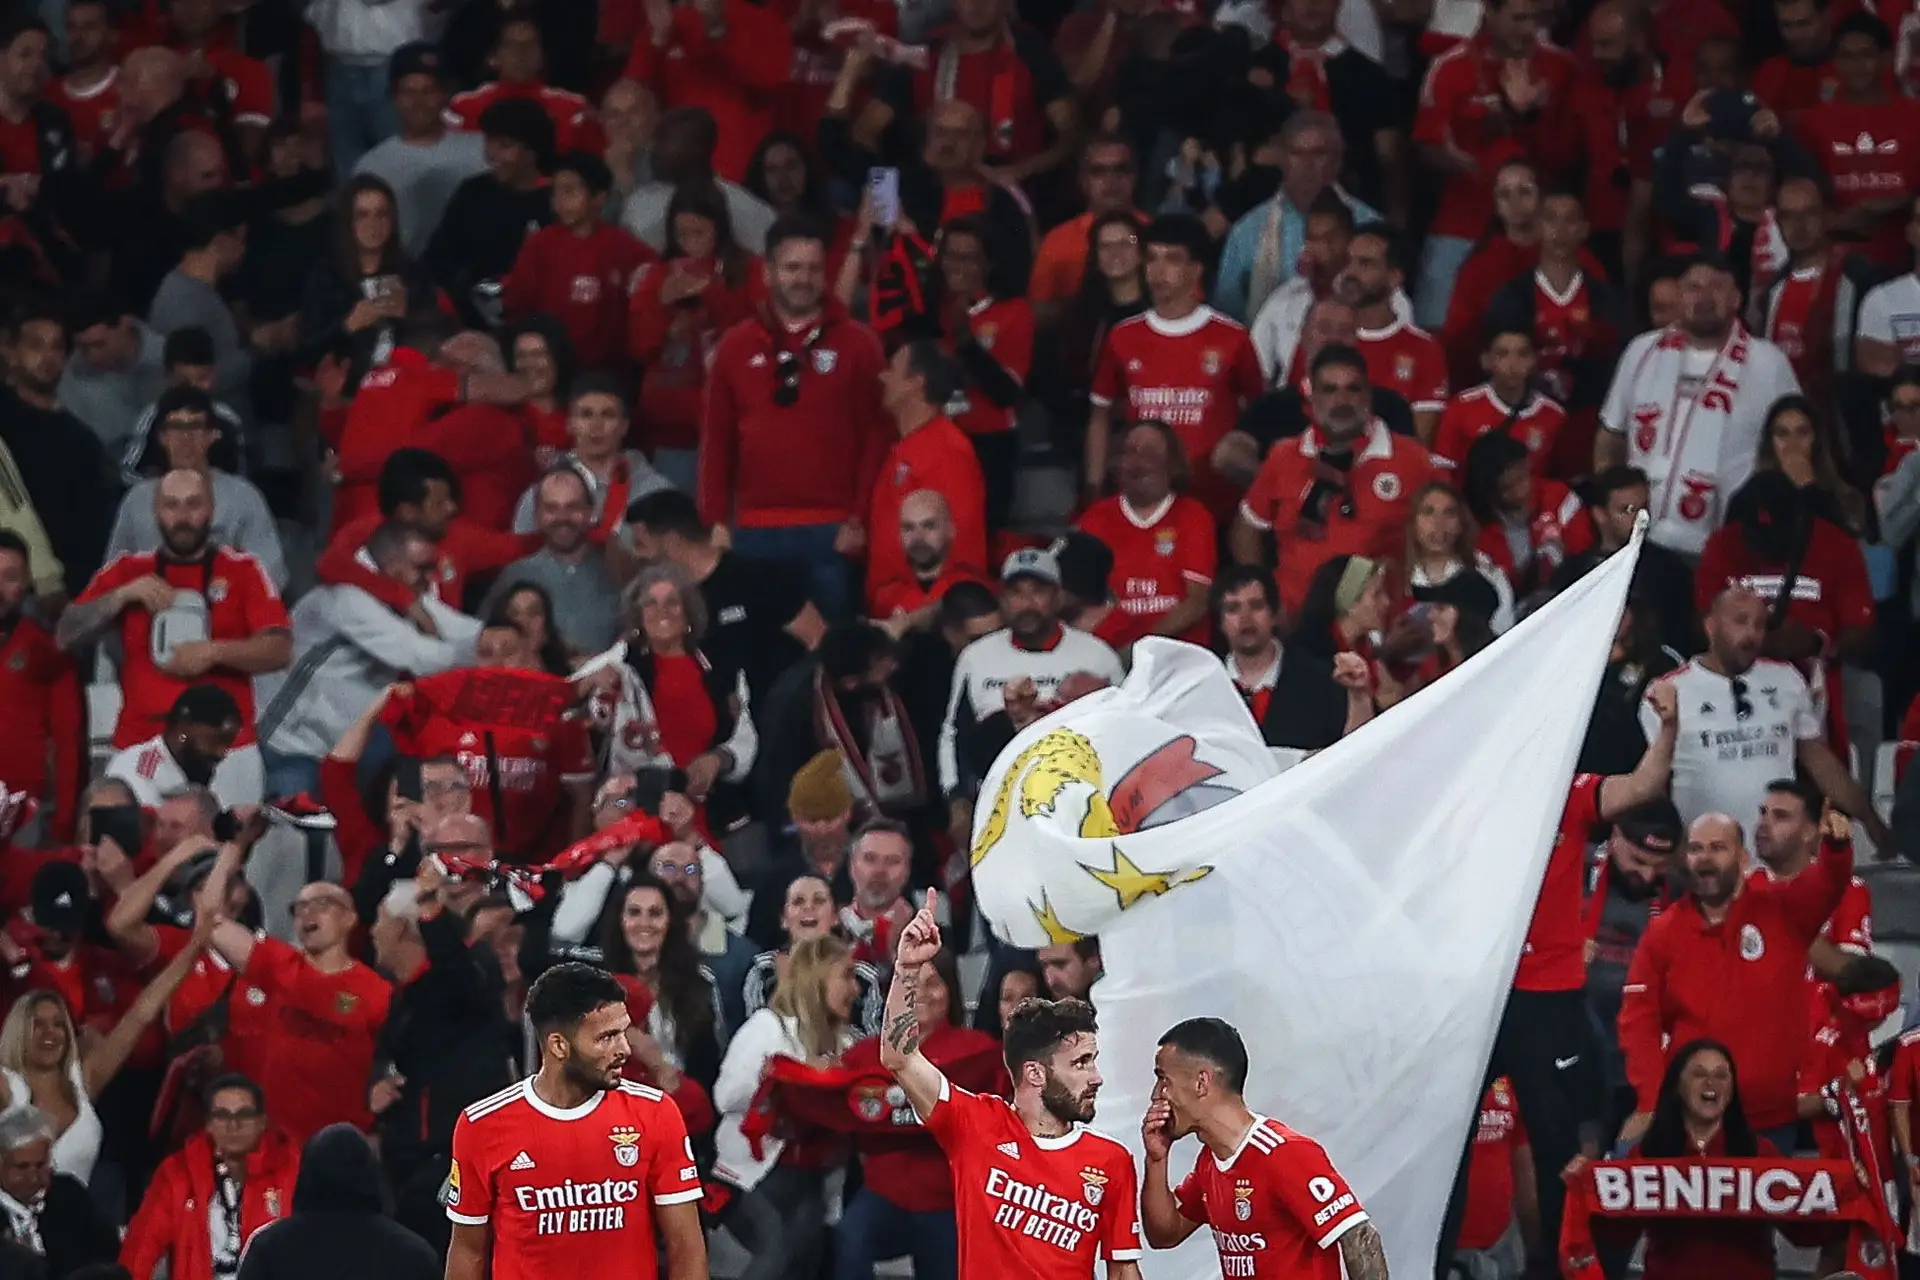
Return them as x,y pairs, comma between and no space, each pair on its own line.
900,1027
1364,1254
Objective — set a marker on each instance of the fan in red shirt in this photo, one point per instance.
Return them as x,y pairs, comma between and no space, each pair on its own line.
1278,1208
432,370
926,541
933,455
579,269
1625,100
1786,838
520,61
90,91
327,1007
1399,356
1508,499
1165,547
1181,363
727,57
1802,75
575,1171
44,751
1867,141
1506,402
191,584
1036,1193
1500,1165
992,337
214,62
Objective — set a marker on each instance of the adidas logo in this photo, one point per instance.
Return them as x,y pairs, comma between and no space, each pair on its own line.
1010,1149
522,1161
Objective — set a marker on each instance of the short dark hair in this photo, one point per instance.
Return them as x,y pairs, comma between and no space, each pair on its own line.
564,996
881,827
590,168
11,541
938,374
235,1080
1037,1027
1497,331
598,384
1862,23
517,15
405,474
182,400
668,511
1802,789
1396,247
17,24
1239,577
1328,204
1337,355
203,704
523,121
851,648
793,226
97,306
965,601
1215,1042
1180,231
426,330
1612,480
190,345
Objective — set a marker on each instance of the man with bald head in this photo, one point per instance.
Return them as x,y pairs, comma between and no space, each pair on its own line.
190,612
1746,720
911,600
1728,962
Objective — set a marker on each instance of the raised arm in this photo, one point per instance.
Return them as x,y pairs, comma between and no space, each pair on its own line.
127,922
103,1062
900,1031
1648,781
231,940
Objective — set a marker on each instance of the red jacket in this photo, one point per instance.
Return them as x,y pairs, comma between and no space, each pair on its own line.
171,1224
735,75
581,281
937,456
1741,982
674,344
767,465
44,751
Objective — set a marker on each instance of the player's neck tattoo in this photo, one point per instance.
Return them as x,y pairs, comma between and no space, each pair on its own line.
903,1029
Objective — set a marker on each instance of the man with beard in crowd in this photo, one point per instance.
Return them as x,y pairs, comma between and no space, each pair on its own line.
911,601
569,568
193,748
189,612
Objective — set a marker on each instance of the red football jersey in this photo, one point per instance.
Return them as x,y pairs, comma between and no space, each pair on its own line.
1193,374
1870,153
1277,1205
319,1055
1042,1208
1004,329
241,603
393,402
1477,410
1789,312
1554,956
570,1193
94,113
1490,1168
1157,556
1408,360
574,124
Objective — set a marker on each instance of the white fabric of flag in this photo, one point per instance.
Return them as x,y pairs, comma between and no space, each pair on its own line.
1358,918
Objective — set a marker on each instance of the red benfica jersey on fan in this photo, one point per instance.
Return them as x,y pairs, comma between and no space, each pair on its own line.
1789,312
1387,473
571,1193
1158,555
1462,103
248,83
1790,87
393,401
1004,329
1193,374
1621,128
1870,152
1477,410
1408,360
1044,1208
241,603
936,456
572,115
1554,957
1490,1168
317,1058
508,721
94,113
1277,1205
581,279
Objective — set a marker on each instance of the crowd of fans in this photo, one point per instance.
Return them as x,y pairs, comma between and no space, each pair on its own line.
522,482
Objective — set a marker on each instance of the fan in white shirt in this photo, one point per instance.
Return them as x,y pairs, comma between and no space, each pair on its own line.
1888,334
195,747
1746,721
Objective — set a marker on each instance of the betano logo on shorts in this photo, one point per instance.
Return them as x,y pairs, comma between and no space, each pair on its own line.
572,1207
1035,1211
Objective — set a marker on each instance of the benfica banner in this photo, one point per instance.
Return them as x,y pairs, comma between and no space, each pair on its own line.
862,1101
1810,1201
1358,917
485,698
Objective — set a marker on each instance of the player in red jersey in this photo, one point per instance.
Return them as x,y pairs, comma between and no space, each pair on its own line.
574,1171
1036,1193
1275,1202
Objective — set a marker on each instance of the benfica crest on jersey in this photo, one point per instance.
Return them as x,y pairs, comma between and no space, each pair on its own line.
1163,542
1242,1199
1093,1186
626,1146
1210,361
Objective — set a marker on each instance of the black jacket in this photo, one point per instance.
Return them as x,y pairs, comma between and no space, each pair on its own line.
70,480
479,237
339,1226
1307,711
73,1231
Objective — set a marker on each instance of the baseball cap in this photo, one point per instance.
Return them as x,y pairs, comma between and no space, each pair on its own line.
1656,821
1031,562
206,704
59,897
418,58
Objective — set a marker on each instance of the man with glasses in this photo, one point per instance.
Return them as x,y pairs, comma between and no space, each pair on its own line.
326,1007
681,866
206,1199
1889,332
1746,720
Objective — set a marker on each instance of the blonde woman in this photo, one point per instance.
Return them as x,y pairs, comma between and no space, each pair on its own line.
779,1210
43,1065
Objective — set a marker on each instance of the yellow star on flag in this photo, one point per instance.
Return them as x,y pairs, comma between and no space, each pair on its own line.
1128,881
1057,933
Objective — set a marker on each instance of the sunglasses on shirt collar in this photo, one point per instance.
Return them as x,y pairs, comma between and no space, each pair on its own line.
786,373
1742,705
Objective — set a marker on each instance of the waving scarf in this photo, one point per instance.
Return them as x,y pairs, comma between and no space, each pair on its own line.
861,1102
526,885
888,776
1809,1200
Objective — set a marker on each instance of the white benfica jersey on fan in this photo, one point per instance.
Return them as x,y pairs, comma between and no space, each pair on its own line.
1693,421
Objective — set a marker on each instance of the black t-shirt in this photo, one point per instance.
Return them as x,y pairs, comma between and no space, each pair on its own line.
749,606
1283,413
1363,99
1468,591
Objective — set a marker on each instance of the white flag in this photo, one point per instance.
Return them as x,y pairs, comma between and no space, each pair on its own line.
1358,918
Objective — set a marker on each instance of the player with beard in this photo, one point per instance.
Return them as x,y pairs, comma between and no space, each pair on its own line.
1275,1202
1036,1192
575,1171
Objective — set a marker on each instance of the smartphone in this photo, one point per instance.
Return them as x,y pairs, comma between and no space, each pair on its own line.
1422,612
883,184
406,778
120,823
225,826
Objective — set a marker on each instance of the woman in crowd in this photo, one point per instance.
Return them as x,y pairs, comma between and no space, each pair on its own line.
1795,444
1013,977
779,1210
906,1203
1443,566
1113,289
782,173
647,944
357,298
42,1064
539,350
704,284
807,912
530,608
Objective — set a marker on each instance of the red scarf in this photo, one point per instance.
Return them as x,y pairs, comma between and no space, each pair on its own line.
856,1101
1307,70
524,883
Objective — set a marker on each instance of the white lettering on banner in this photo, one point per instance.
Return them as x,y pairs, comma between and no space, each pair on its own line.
577,1195
1713,1189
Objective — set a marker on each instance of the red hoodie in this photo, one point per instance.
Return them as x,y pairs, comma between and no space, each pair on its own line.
582,281
735,75
1741,982
673,344
171,1224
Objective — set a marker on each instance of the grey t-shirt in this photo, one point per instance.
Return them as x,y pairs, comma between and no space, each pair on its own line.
586,599
423,178
241,522
182,302
111,403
